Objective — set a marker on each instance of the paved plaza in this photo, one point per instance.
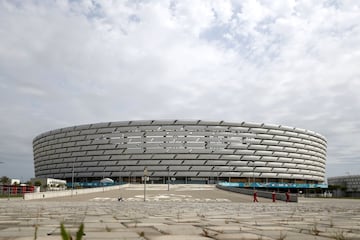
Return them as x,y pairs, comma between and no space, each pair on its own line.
185,212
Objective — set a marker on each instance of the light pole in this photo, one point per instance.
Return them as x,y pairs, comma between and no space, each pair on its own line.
253,174
119,177
168,178
103,183
145,178
72,178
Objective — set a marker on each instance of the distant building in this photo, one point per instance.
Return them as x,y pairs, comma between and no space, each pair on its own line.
346,185
15,181
183,151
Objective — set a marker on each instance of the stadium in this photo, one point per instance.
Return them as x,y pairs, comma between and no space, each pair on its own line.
182,151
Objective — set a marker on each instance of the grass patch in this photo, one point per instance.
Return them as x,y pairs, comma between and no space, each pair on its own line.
67,236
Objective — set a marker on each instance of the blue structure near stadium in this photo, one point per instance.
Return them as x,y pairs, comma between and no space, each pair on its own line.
274,185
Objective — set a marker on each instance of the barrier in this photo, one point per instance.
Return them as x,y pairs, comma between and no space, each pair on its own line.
65,193
13,190
263,194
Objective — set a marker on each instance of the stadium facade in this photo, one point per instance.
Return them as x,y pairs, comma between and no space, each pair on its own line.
182,151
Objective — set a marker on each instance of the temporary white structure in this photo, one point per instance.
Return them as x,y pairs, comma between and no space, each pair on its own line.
107,180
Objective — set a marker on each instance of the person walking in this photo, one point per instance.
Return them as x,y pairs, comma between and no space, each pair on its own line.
255,196
273,196
287,194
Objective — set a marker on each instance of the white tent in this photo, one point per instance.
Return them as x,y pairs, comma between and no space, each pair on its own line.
107,180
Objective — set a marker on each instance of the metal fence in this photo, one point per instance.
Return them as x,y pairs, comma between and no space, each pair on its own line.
281,196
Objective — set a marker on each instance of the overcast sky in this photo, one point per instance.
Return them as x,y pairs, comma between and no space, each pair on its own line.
65,63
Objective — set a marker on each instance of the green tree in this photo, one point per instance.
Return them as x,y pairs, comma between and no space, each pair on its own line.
29,183
5,180
37,183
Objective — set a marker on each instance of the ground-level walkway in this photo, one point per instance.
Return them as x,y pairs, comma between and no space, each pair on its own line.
185,212
163,192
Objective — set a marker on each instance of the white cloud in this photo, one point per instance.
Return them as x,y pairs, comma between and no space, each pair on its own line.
288,62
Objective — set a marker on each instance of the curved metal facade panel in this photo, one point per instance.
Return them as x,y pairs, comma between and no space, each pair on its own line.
181,148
